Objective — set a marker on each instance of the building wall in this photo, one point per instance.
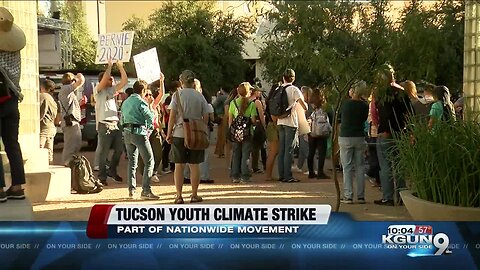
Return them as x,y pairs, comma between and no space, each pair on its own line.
25,16
117,12
471,63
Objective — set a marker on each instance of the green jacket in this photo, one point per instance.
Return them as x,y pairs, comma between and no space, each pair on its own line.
135,110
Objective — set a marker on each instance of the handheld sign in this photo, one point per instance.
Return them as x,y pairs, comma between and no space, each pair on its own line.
115,46
147,65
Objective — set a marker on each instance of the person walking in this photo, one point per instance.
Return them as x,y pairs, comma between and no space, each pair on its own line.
137,120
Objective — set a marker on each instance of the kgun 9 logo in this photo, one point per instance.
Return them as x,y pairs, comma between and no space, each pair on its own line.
416,237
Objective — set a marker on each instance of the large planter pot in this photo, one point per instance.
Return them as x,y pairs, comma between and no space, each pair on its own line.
429,211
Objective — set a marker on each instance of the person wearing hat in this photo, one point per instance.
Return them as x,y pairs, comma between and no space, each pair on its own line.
287,127
12,41
48,113
192,106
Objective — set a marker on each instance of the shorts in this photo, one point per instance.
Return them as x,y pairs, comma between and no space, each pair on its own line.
180,154
272,132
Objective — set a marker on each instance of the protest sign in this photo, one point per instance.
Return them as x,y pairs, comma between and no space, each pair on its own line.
115,46
147,65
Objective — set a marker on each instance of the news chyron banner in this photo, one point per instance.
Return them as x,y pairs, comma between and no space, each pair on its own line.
236,237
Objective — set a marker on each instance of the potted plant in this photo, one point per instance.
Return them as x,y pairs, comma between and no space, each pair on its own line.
442,167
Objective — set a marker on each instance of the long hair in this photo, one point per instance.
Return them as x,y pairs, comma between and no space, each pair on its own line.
317,98
442,94
243,90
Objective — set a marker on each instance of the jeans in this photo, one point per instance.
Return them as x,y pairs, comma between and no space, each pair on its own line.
72,142
165,156
352,155
241,153
156,144
285,151
303,150
315,144
135,144
386,155
9,123
107,139
259,150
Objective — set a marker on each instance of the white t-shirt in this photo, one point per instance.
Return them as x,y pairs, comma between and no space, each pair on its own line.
293,94
105,105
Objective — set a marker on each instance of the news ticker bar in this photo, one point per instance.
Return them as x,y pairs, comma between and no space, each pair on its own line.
119,220
188,245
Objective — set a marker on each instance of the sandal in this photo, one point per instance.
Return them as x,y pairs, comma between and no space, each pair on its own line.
178,200
195,199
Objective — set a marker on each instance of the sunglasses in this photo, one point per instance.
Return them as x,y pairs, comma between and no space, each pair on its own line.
148,95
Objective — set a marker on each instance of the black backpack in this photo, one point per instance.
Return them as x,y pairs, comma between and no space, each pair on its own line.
240,128
278,102
83,180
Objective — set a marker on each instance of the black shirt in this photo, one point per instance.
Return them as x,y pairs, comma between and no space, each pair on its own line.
393,112
354,114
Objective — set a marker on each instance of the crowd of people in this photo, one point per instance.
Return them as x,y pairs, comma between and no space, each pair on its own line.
149,127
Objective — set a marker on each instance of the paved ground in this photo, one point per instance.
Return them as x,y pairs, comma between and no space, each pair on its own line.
77,207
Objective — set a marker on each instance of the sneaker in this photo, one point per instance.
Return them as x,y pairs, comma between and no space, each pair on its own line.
310,175
235,180
132,193
292,180
96,168
306,173
361,201
296,169
3,196
104,182
346,201
149,196
155,179
258,171
384,202
166,171
245,181
15,195
116,178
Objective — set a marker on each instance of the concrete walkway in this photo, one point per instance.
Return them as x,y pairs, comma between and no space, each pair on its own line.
223,191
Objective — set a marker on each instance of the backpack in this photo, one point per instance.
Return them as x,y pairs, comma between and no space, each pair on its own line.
83,180
320,124
278,103
240,128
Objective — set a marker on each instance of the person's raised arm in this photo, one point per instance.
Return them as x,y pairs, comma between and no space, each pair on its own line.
103,84
79,81
161,91
123,77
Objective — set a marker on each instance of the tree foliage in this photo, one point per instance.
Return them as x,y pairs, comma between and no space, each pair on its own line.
323,40
190,35
83,46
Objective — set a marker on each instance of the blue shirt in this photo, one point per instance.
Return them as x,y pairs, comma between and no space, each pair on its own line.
135,110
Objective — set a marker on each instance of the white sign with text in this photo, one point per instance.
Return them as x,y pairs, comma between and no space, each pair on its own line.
115,46
147,65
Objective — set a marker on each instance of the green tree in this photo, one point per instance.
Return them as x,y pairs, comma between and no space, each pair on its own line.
190,35
83,46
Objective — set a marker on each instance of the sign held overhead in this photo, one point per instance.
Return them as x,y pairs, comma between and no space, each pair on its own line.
115,46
